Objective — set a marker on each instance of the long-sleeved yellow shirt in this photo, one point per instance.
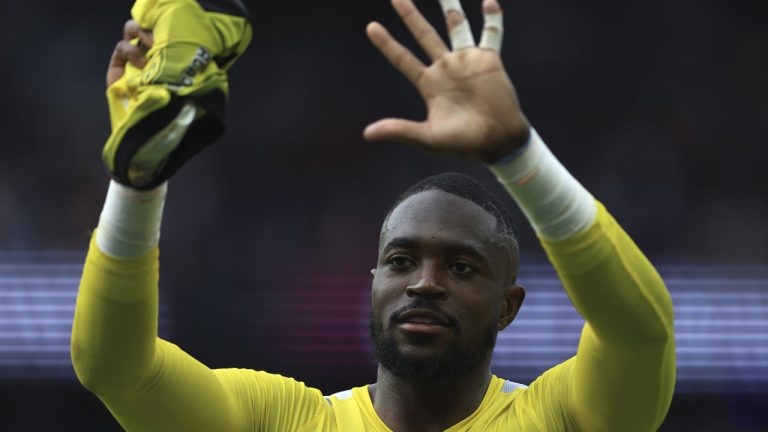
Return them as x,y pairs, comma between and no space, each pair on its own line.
621,379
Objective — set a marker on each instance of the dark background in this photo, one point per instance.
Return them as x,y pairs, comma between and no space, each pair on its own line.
658,108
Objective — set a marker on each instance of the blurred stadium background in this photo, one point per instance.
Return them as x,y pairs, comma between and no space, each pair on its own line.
659,108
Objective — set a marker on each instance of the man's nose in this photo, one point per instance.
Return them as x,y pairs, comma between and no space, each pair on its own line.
427,285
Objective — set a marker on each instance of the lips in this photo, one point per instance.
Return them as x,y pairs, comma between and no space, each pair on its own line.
422,316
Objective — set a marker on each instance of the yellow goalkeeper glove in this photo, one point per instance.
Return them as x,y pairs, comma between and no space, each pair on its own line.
165,113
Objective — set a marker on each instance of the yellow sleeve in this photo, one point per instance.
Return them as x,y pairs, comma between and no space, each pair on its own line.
623,375
149,384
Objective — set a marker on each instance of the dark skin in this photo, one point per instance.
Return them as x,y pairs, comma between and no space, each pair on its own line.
472,107
440,247
473,113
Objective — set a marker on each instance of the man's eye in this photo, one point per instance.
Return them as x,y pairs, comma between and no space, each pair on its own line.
462,268
400,262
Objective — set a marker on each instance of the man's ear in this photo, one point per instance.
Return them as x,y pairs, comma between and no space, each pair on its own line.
513,299
373,272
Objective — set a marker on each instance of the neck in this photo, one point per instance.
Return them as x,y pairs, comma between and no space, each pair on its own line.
406,406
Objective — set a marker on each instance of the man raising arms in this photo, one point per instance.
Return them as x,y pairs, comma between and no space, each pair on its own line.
443,286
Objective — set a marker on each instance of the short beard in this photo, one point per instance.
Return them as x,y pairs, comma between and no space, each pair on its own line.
456,360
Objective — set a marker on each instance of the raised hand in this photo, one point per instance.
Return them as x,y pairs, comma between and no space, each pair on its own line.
173,82
473,111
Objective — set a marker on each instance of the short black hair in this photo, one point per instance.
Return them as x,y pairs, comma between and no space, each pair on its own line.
465,187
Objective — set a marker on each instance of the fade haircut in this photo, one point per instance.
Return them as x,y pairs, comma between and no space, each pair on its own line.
466,187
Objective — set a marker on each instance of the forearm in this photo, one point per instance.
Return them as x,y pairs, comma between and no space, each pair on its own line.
612,284
147,383
581,239
115,325
623,375
555,203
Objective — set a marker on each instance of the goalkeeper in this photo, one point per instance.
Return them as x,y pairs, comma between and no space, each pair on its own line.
443,287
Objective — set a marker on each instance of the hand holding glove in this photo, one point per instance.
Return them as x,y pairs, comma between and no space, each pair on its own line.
165,112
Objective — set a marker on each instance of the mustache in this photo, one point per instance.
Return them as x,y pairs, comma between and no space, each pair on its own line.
421,303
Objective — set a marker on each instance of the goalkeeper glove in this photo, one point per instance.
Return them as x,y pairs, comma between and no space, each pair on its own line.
165,113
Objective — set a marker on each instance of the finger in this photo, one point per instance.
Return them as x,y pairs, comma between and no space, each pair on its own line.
493,29
128,52
421,29
400,57
458,26
124,52
132,30
393,129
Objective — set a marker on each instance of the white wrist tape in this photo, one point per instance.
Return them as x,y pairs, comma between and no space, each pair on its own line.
555,203
130,221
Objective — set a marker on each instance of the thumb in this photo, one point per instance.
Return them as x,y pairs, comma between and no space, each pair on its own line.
394,129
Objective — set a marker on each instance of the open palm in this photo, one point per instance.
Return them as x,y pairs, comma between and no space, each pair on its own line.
473,110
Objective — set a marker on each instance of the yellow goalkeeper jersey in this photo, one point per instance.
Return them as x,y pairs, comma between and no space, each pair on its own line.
621,378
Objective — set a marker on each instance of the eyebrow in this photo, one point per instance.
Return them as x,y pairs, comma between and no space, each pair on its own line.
455,248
